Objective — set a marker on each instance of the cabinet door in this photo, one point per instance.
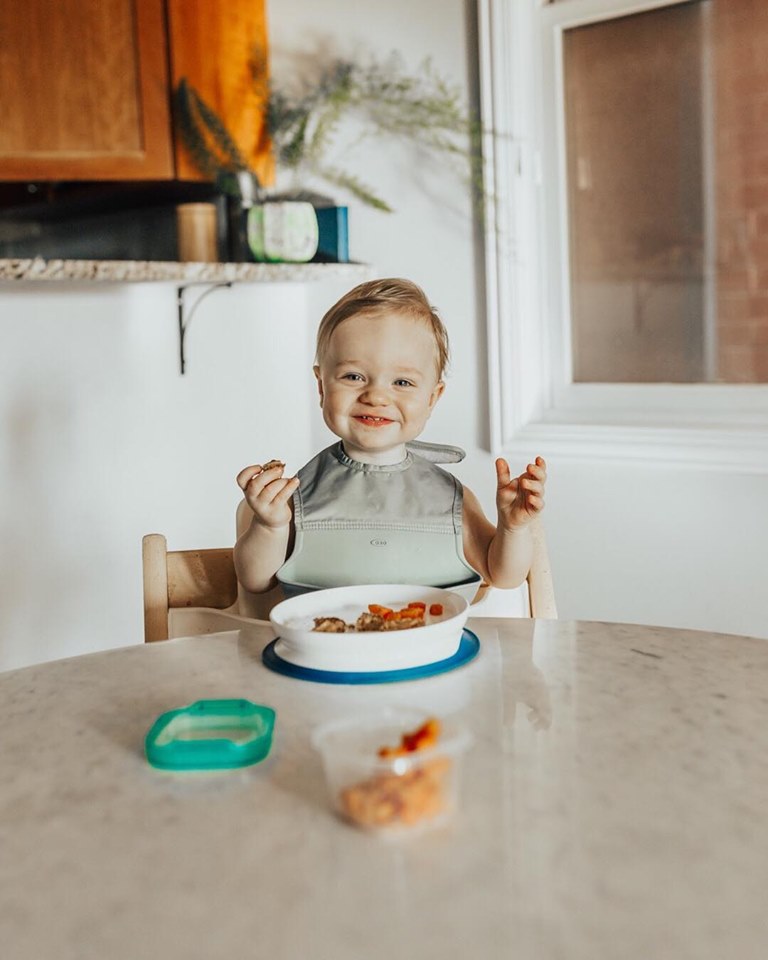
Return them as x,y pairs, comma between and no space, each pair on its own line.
84,90
217,46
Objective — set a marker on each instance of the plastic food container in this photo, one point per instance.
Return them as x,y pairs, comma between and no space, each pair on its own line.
211,735
394,794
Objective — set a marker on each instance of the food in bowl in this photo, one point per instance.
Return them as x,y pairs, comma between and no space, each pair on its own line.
378,618
330,625
384,639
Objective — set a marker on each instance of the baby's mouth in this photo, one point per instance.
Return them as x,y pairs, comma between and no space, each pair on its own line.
369,421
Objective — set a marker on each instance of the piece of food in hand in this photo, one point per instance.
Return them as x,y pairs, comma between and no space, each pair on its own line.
270,464
330,625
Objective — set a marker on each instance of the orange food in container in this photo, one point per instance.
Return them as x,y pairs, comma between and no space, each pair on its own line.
393,771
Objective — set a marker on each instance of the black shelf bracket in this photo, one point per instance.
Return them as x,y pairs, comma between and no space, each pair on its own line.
185,314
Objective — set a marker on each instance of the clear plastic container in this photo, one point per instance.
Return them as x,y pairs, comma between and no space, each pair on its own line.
401,792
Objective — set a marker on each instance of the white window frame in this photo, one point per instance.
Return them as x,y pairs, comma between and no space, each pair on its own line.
535,406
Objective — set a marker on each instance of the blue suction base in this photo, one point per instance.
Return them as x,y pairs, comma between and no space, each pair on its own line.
468,649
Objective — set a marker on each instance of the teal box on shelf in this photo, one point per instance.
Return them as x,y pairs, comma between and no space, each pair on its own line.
333,229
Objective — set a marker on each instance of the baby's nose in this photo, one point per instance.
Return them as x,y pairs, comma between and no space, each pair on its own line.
375,394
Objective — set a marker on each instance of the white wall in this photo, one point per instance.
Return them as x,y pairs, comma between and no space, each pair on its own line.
103,441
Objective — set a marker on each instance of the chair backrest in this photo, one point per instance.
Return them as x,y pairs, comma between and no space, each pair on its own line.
541,589
183,578
175,579
535,599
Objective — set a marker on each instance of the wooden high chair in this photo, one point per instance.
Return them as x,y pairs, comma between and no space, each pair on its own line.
203,586
175,579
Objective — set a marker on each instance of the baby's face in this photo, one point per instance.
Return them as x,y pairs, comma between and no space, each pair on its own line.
378,382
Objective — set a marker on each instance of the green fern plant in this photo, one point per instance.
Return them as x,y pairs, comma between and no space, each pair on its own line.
384,98
210,145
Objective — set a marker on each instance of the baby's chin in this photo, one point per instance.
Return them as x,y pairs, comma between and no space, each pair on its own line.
380,453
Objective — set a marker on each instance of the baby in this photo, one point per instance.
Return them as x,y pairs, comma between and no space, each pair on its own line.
375,507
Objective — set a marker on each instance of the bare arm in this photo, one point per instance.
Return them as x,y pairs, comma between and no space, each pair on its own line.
503,554
264,540
501,557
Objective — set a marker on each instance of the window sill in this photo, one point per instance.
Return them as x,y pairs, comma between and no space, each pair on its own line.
702,447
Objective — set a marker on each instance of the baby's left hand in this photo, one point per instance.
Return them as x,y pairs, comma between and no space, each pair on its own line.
520,499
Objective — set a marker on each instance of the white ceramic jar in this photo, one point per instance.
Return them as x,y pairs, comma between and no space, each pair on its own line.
283,231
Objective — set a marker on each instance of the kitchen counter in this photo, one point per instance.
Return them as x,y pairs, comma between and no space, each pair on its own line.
147,271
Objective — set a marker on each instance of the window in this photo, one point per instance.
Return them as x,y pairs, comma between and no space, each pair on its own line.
627,234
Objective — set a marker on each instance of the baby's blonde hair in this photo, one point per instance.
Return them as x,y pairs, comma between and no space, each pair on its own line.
376,297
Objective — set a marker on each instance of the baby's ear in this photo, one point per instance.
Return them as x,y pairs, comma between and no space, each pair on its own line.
436,393
316,371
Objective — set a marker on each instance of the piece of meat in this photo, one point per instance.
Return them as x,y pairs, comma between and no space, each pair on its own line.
370,621
330,625
403,623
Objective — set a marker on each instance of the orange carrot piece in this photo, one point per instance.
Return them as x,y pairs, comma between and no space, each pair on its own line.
412,613
377,608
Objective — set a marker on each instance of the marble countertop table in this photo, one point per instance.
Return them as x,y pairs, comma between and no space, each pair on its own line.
614,808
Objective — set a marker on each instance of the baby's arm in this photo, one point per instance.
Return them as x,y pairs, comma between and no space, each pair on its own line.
262,548
502,554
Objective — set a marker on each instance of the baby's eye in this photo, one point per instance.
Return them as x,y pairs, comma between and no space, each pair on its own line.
404,383
351,376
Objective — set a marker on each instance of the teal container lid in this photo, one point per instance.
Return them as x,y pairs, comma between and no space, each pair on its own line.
211,735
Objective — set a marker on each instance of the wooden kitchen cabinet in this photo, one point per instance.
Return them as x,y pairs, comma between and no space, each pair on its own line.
218,46
86,86
84,90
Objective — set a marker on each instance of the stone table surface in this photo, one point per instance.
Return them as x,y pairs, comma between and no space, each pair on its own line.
615,807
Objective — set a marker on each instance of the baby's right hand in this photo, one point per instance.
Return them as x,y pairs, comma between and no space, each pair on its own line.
268,493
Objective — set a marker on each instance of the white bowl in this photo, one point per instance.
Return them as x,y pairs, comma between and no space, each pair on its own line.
367,651
467,588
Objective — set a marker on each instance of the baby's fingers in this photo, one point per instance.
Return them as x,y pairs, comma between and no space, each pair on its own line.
534,503
269,471
533,491
280,491
530,485
503,474
537,470
247,474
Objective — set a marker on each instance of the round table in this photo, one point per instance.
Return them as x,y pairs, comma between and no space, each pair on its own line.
614,808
